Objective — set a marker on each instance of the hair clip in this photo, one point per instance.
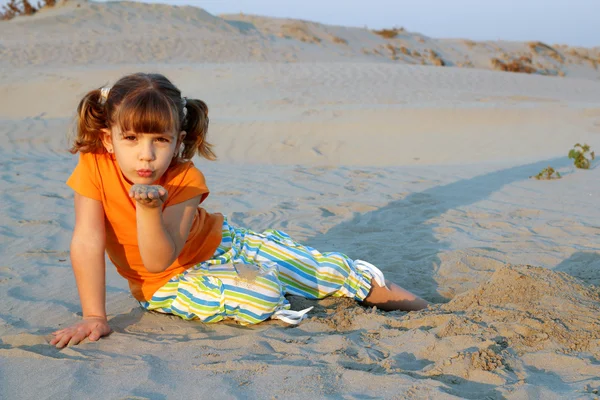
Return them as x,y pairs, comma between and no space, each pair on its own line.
104,94
184,103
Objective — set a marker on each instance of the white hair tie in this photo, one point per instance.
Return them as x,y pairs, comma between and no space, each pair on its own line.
104,94
184,103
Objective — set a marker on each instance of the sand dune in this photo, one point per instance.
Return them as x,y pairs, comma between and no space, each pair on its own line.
424,171
78,32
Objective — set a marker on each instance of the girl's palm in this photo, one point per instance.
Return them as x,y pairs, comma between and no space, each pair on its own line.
149,195
93,328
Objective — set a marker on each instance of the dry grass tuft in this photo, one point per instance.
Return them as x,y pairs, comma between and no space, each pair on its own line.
390,33
469,43
392,50
436,59
546,50
300,31
465,64
517,65
584,55
339,40
527,59
14,8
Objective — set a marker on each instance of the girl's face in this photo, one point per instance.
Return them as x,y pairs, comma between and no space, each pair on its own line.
142,157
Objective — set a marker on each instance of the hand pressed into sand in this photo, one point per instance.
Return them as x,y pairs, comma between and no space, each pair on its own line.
150,196
92,328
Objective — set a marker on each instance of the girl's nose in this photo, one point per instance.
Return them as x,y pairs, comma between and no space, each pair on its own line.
147,153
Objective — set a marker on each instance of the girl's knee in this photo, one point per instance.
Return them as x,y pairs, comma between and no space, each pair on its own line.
254,293
246,293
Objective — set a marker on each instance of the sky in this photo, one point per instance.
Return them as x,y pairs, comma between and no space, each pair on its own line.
573,22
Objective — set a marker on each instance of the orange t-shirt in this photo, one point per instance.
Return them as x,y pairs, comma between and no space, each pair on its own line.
98,176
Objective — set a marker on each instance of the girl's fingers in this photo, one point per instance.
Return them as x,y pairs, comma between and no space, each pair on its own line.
72,337
63,341
59,336
77,338
55,340
95,335
147,193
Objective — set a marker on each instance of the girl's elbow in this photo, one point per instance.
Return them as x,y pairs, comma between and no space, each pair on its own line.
155,268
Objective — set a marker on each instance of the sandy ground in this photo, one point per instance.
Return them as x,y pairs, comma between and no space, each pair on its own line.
424,171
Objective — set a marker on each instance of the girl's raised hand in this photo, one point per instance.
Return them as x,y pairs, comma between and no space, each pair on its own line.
149,195
90,327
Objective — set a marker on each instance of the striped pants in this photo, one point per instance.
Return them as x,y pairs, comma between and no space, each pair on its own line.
249,274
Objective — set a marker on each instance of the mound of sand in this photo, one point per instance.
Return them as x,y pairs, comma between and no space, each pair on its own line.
536,309
523,318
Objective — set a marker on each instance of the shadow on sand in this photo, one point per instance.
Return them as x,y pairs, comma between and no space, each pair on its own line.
404,223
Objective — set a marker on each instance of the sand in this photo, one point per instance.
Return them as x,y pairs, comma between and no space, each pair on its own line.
423,171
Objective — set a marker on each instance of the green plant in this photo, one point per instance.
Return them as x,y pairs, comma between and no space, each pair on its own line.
547,173
579,156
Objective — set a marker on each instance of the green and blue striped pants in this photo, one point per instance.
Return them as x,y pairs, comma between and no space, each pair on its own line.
249,274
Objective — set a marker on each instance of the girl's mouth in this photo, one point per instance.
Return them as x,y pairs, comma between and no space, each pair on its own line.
144,173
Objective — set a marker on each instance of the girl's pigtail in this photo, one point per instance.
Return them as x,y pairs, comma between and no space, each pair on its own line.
91,119
195,124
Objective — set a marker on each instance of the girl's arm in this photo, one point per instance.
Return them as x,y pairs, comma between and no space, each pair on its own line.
87,255
87,258
162,234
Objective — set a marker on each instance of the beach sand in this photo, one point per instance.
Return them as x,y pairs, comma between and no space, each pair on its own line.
423,171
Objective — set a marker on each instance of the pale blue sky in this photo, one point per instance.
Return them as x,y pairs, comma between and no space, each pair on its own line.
574,22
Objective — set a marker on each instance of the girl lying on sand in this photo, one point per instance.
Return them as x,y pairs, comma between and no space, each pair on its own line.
137,197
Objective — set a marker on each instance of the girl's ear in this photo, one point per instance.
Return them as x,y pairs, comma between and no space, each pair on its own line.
178,150
107,140
180,138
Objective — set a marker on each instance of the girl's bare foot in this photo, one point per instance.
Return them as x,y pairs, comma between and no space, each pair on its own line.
393,298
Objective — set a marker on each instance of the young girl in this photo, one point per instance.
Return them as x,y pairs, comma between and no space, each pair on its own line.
137,197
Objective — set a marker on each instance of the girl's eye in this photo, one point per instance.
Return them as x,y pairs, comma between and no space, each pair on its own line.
130,137
163,140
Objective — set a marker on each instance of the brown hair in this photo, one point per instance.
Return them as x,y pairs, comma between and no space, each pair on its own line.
143,103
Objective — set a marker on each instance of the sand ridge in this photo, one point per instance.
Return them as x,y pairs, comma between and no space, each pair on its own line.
129,32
